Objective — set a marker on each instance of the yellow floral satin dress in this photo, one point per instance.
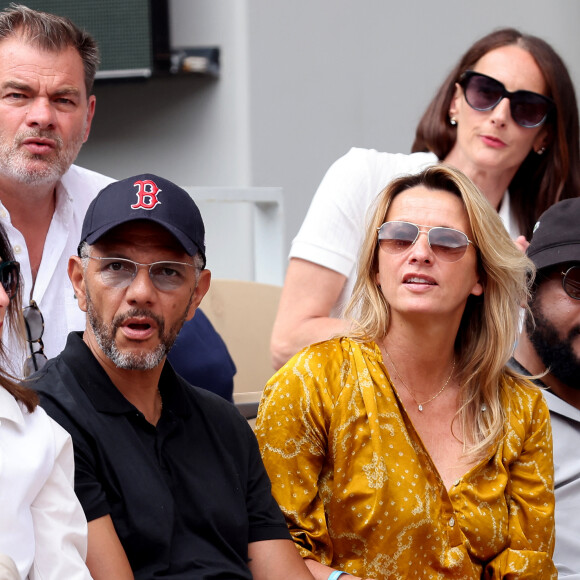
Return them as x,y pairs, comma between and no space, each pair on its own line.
361,494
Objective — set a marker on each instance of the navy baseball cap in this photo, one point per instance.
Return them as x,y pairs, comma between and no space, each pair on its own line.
556,237
146,197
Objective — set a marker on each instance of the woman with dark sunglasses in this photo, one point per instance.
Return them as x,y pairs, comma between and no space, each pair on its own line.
42,525
408,449
506,116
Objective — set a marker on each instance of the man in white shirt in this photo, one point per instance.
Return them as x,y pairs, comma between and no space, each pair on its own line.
550,344
47,68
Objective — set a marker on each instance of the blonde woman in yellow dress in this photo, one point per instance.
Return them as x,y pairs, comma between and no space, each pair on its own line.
408,449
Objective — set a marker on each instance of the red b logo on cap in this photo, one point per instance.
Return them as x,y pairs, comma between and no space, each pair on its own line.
147,194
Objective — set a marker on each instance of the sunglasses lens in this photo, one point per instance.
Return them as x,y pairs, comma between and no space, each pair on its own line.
396,237
9,277
528,109
448,244
34,323
34,363
483,93
572,282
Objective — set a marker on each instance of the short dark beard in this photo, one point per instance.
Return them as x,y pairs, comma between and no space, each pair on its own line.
556,353
142,361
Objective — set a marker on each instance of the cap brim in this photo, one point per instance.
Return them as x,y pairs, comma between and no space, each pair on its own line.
184,240
556,255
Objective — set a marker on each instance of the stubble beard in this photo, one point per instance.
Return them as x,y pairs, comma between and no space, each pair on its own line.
36,170
138,361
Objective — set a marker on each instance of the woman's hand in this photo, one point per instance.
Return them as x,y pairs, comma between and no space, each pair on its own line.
522,243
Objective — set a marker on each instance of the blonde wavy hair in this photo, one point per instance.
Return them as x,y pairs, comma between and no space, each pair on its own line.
490,322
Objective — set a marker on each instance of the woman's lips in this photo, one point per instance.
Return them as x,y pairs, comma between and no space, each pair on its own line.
492,141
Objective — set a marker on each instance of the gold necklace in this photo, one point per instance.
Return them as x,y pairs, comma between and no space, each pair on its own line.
420,405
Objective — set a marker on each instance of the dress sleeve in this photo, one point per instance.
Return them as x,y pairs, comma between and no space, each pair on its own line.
530,496
60,527
292,433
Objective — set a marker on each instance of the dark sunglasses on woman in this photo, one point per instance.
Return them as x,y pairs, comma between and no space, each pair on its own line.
482,93
10,278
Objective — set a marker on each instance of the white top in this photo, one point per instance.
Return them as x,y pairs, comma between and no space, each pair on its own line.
42,525
53,291
566,437
334,228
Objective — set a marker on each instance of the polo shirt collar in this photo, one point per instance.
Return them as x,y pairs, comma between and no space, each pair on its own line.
103,394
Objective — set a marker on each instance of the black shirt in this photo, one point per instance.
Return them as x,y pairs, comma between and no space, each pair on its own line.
187,496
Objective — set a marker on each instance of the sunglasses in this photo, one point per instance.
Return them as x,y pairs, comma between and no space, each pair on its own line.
571,282
34,322
447,244
483,93
166,276
10,278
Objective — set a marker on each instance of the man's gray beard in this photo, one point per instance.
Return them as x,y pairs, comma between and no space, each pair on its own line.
144,361
15,161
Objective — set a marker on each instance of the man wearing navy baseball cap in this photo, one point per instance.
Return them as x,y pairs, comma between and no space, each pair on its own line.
170,476
549,346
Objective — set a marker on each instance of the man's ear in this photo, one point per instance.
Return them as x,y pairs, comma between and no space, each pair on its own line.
77,277
90,114
199,292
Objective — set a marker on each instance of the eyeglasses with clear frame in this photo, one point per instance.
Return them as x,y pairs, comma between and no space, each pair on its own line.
447,244
165,276
571,282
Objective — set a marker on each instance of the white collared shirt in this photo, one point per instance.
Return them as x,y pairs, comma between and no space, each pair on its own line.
42,525
53,291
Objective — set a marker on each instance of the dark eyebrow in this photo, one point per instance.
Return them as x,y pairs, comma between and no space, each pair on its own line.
73,91
21,86
18,85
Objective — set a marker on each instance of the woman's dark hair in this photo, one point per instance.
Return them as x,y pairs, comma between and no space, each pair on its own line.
541,180
15,324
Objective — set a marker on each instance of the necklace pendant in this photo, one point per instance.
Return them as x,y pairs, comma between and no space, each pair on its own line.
420,408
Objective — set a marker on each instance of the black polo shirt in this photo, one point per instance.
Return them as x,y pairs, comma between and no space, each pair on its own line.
186,496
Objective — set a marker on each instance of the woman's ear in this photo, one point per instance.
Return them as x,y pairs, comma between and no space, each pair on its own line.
542,141
454,104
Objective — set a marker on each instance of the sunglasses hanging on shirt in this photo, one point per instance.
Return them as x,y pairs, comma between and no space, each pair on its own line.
34,323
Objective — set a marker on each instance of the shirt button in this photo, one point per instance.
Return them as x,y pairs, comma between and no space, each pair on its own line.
3,213
457,482
17,249
452,522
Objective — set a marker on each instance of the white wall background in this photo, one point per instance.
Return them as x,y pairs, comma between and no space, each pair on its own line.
302,81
